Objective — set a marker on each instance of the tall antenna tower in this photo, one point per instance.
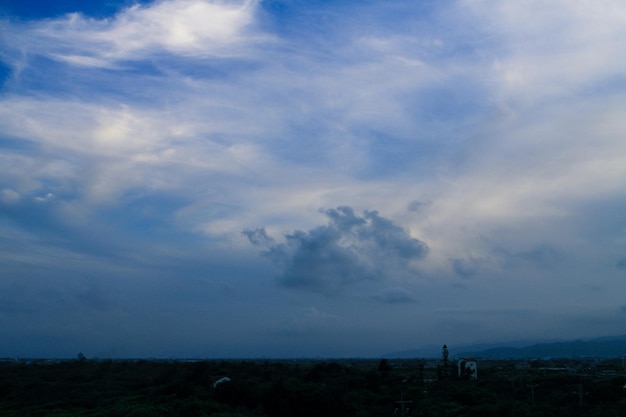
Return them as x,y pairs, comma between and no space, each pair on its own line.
445,354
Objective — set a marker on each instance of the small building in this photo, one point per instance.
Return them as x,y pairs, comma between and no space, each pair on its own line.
468,368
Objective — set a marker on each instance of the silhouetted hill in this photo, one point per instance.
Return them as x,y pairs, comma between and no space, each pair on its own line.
602,347
605,347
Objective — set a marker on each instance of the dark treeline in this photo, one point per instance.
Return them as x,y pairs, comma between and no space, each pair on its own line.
358,388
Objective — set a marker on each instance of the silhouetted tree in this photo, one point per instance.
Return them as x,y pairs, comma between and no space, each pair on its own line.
383,367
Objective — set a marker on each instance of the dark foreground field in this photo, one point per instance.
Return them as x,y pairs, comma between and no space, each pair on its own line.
358,388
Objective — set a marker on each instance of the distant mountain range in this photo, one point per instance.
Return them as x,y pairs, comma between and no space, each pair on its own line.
604,347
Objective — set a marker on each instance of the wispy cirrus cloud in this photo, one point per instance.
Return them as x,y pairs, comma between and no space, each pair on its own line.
187,28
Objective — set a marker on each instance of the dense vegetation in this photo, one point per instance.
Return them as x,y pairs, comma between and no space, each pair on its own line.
358,388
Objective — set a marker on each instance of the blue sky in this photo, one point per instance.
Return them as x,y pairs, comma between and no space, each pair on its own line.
287,178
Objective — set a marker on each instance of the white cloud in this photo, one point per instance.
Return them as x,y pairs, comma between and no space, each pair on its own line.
185,27
240,128
9,195
551,49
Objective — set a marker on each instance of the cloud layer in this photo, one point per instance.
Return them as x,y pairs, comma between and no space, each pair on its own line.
135,147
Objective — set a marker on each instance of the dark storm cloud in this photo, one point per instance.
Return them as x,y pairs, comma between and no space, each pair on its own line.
347,250
418,205
465,267
540,256
258,237
543,255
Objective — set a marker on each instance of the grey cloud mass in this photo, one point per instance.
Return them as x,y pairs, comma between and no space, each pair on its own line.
350,249
417,205
465,267
539,256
